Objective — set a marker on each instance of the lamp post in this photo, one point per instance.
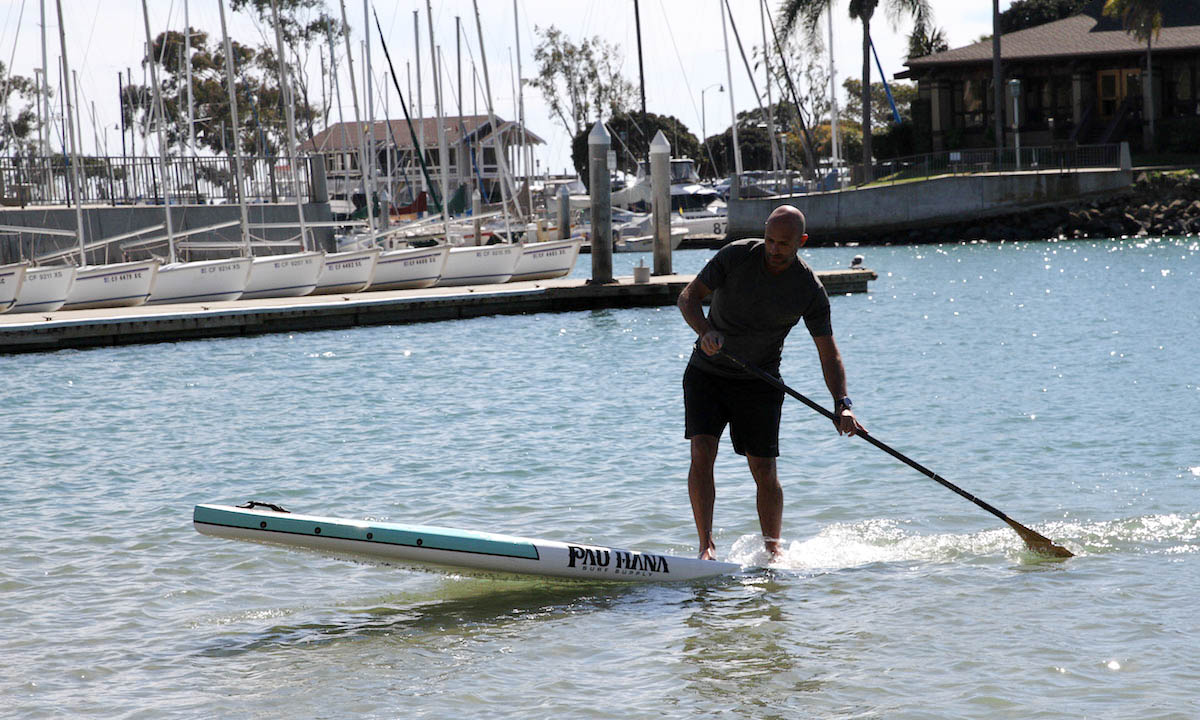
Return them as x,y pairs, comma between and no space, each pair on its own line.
703,128
1014,91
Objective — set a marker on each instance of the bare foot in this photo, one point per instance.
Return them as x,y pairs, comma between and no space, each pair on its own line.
773,551
709,553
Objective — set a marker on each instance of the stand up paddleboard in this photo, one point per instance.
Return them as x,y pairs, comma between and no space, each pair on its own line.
446,549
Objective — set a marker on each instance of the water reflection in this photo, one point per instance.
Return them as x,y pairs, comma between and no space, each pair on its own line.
741,647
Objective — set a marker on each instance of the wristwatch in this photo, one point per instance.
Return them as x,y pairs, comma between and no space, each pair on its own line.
844,404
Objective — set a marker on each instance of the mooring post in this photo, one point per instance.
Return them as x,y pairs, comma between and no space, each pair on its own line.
564,213
660,188
476,211
601,193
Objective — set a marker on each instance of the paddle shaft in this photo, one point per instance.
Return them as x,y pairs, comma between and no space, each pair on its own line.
776,382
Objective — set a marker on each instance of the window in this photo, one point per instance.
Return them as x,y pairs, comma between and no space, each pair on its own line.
969,103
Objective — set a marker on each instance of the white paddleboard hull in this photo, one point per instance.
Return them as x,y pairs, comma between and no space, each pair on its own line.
455,551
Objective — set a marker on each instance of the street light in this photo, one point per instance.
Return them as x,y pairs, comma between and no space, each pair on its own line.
703,128
1014,91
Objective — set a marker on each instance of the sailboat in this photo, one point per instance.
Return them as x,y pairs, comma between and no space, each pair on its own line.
204,281
290,275
112,285
44,288
12,276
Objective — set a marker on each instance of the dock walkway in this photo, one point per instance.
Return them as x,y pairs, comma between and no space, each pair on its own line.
39,332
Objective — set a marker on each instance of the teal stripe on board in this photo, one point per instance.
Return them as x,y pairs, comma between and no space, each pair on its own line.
384,533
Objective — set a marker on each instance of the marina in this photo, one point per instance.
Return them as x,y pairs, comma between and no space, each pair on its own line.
348,369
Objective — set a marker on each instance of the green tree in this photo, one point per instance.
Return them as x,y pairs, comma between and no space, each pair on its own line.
631,134
924,41
903,93
1029,13
580,83
305,24
18,98
260,98
807,13
1143,20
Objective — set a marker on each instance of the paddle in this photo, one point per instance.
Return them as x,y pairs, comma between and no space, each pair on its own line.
1033,540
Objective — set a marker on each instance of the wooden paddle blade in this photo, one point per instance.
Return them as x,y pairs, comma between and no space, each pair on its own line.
1039,543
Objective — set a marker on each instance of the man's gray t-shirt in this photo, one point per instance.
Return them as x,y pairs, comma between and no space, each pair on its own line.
756,310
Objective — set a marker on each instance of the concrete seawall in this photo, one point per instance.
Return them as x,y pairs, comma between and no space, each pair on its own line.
927,203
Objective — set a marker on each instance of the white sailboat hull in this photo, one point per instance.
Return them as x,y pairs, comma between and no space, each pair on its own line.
545,260
482,265
291,275
203,281
11,278
409,269
45,288
348,272
114,285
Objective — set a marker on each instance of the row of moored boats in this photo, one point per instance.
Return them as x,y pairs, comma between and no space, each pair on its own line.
46,288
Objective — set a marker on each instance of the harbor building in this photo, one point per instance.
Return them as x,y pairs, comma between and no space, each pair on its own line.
1081,81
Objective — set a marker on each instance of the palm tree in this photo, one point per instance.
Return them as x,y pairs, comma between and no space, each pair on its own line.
1143,20
793,13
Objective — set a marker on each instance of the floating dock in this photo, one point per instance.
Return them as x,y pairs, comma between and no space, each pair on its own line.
40,332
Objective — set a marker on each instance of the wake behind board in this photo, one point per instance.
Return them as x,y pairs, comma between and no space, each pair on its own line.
446,549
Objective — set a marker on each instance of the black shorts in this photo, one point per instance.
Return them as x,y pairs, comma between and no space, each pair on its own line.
750,407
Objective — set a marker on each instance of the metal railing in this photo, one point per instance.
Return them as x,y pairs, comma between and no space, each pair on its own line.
44,180
1061,158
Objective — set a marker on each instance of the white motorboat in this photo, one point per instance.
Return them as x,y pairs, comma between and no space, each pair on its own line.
45,288
12,276
202,281
290,275
545,260
480,265
348,272
697,207
113,285
410,268
645,243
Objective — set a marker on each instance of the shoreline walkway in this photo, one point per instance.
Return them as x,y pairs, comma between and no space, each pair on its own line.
42,332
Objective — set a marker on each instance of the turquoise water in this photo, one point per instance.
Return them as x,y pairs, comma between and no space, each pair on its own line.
1057,381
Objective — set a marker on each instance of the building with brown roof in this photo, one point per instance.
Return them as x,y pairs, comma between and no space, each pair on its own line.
1081,80
471,154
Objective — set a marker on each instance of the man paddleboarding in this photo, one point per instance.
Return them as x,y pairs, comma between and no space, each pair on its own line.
760,290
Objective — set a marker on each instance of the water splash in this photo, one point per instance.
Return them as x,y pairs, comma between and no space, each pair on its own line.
849,545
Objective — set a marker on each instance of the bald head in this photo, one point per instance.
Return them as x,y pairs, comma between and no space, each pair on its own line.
786,221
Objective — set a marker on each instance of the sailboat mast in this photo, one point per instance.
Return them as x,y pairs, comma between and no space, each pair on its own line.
370,92
833,110
362,164
497,141
44,90
444,167
776,154
162,135
420,103
285,84
237,134
187,60
737,153
73,176
525,152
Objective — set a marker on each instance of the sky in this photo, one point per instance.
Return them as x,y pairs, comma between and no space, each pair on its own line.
682,41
